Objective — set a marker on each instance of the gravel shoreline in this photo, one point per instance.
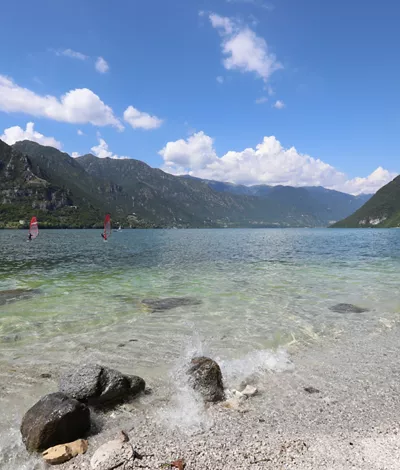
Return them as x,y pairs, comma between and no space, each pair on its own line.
349,421
335,406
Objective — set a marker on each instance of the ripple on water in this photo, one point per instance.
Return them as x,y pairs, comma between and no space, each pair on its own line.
256,290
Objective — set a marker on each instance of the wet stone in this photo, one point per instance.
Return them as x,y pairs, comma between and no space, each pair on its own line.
311,390
98,385
206,378
54,419
45,376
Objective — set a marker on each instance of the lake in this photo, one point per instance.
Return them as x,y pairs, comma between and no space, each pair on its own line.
247,292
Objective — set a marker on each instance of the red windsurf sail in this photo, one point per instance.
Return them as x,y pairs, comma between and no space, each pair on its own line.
33,228
107,226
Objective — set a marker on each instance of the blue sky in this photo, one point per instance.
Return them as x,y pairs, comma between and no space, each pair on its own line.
250,91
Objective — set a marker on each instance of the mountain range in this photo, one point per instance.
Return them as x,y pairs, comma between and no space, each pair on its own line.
76,192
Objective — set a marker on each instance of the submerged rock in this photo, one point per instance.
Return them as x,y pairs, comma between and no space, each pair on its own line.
97,385
347,308
64,452
159,305
10,338
311,390
12,295
54,419
205,377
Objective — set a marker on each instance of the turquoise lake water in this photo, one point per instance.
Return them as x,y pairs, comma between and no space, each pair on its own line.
255,290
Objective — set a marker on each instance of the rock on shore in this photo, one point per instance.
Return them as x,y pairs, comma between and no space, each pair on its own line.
54,419
64,452
205,377
97,385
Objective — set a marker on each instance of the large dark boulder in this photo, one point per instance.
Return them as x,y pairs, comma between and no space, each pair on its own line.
54,419
98,386
205,377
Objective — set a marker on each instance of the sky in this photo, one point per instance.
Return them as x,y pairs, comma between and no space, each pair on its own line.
247,91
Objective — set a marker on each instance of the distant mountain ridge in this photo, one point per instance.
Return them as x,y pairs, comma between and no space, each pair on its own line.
327,204
381,211
67,192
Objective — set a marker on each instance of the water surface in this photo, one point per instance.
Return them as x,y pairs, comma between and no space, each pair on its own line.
258,289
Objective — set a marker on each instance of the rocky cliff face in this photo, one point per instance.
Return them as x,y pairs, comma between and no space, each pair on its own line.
24,191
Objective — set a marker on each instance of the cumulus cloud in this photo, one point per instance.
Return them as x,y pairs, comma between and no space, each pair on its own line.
268,163
102,65
79,106
189,156
79,132
369,184
102,151
279,104
140,120
75,154
72,54
16,133
243,50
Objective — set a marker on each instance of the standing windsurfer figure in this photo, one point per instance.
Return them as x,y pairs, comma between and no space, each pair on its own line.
104,236
29,236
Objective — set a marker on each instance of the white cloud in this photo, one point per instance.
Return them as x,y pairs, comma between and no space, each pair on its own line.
270,90
243,49
79,106
279,104
369,184
222,22
191,155
75,154
102,150
268,163
220,79
102,65
72,54
79,132
16,133
261,100
140,120
257,3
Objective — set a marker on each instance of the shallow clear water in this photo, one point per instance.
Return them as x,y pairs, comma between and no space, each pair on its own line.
258,289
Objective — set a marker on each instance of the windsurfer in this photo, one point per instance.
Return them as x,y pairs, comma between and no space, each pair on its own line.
104,236
29,236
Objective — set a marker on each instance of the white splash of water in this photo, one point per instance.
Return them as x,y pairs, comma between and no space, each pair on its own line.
254,365
13,455
186,411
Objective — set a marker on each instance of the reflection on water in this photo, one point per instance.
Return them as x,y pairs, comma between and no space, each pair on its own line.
256,289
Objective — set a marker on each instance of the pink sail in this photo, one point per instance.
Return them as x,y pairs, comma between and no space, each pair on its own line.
33,228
